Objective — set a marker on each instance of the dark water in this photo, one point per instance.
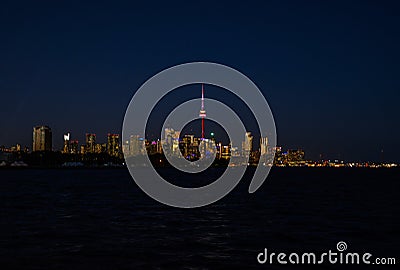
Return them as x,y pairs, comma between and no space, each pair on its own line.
100,219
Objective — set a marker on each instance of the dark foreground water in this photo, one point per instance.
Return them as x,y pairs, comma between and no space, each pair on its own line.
100,219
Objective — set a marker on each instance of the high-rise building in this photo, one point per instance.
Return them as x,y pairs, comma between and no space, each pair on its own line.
247,145
171,141
134,145
219,150
209,148
137,145
42,138
169,135
189,147
100,148
18,147
279,158
159,147
74,147
66,148
125,148
113,145
90,143
264,146
153,147
226,152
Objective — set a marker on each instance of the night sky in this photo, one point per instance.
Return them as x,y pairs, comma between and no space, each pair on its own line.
329,69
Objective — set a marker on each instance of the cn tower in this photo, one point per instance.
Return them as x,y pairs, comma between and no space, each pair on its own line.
202,111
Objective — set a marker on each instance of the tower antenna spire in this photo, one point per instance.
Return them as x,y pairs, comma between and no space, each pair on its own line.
202,114
202,96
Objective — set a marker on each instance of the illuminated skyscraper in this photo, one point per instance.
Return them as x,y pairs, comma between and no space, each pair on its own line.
153,147
125,148
169,135
100,148
171,140
113,145
219,150
247,145
134,148
226,151
137,145
66,148
265,157
264,146
159,147
279,157
42,138
90,143
74,147
189,147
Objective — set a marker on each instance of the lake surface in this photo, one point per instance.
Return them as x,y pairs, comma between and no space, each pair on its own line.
100,219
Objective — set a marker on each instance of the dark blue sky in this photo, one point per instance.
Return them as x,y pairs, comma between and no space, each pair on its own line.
329,69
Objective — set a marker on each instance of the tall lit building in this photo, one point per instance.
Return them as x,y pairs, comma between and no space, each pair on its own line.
113,145
74,147
226,151
247,145
90,143
66,148
189,147
42,138
219,150
153,147
100,148
125,148
134,148
279,157
159,147
137,145
172,140
264,146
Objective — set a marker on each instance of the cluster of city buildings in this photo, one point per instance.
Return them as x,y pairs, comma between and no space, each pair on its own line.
111,147
192,148
188,145
42,141
174,144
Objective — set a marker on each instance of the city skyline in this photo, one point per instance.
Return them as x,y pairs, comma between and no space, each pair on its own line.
91,144
43,141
